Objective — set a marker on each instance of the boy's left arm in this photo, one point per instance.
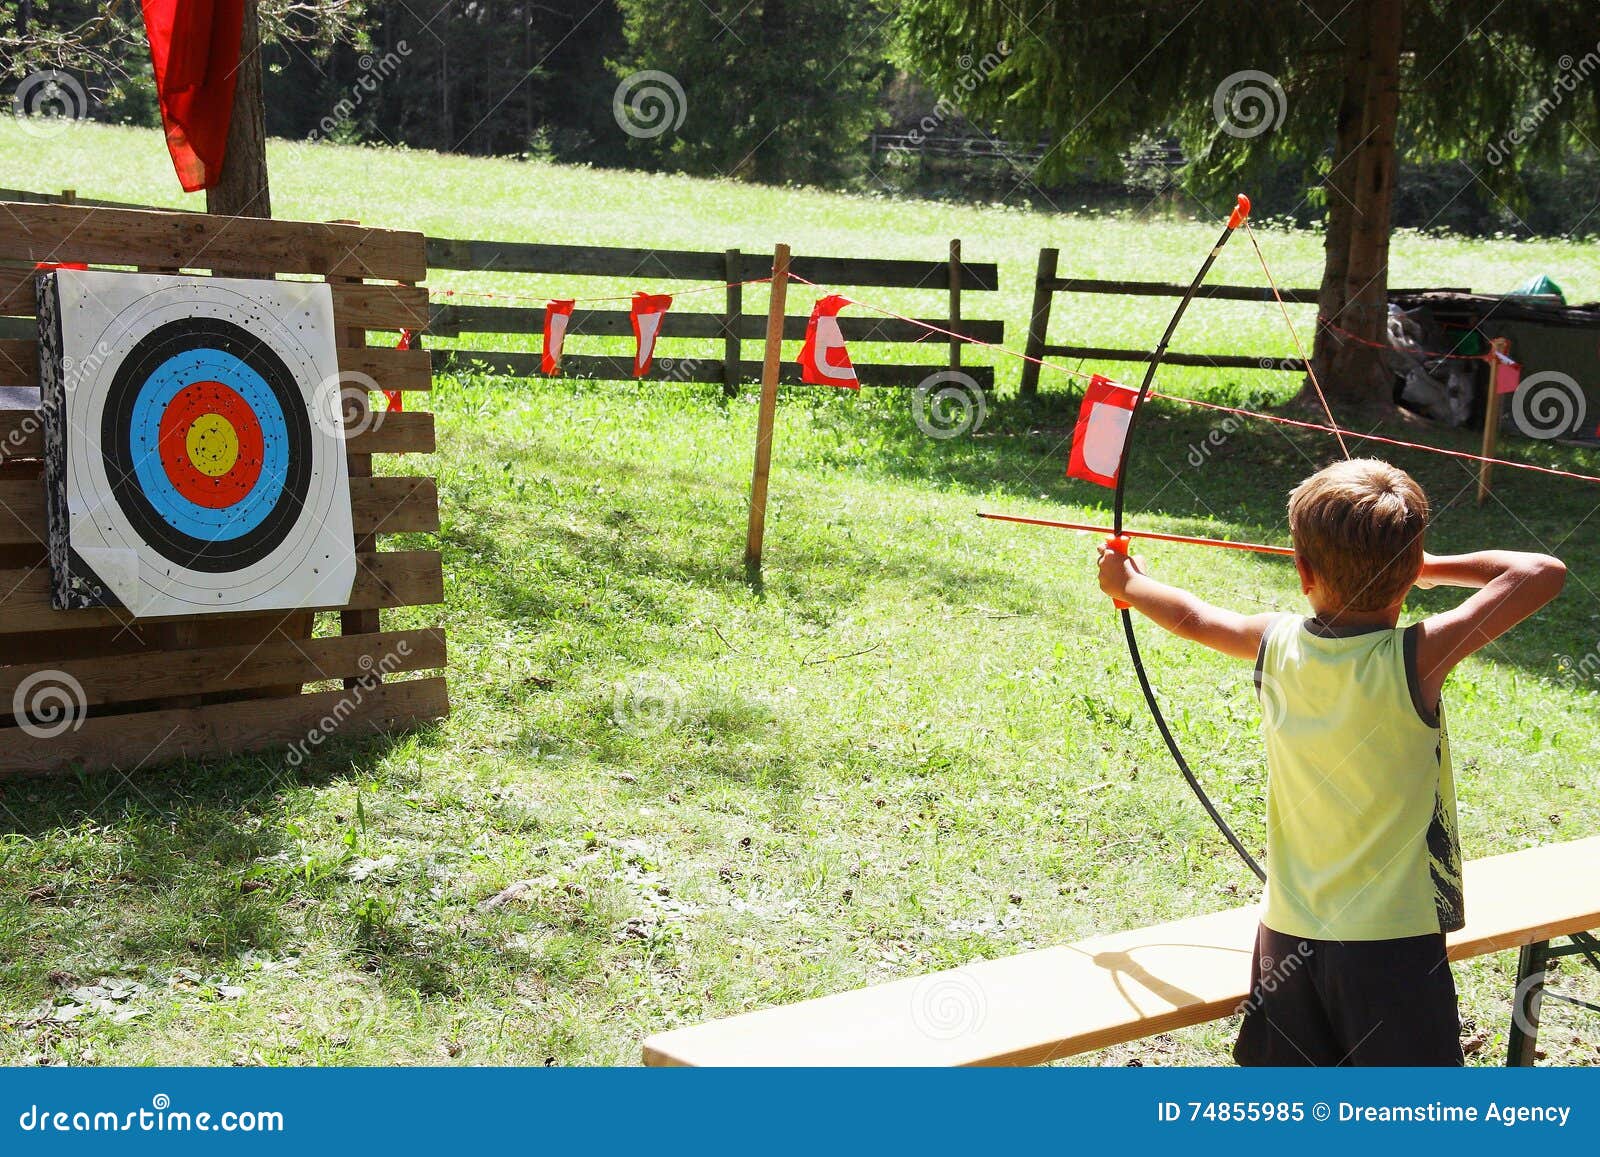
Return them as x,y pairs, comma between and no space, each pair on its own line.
1184,614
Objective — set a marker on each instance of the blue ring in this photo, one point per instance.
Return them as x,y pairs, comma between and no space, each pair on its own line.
156,394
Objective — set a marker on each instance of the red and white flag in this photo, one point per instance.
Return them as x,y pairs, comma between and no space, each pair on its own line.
824,361
557,315
1102,431
648,311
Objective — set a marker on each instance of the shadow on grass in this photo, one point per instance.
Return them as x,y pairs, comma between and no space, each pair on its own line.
198,861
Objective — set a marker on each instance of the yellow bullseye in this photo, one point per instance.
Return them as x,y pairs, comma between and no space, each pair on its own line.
213,445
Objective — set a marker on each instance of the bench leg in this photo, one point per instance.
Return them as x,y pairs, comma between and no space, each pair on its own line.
1523,1039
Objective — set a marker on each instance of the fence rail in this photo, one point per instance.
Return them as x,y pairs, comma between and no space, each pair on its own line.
1047,283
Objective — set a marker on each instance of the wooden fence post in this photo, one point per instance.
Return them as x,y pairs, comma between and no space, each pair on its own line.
1491,417
955,302
731,321
1039,320
770,367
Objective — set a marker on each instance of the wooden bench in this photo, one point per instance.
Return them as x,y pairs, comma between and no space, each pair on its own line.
1056,1002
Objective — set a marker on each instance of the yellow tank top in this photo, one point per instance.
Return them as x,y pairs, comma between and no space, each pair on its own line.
1361,809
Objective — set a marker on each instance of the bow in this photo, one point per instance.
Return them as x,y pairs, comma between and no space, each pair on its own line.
1119,541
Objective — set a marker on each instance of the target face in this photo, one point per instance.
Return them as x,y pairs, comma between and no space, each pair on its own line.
194,444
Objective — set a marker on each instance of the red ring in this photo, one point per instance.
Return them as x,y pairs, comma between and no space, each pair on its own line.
191,403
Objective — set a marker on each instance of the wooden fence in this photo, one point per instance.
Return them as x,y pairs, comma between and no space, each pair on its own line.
724,361
1046,284
149,690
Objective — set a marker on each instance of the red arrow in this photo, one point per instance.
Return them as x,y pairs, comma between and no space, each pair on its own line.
1259,548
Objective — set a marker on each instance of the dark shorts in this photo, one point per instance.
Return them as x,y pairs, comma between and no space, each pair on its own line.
1359,1002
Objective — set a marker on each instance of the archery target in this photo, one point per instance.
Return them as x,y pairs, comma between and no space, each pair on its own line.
194,444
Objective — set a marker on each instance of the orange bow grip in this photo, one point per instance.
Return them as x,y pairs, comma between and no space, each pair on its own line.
1119,544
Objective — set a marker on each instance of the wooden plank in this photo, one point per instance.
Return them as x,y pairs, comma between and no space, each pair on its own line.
981,276
1056,1002
686,369
378,505
149,739
393,432
454,320
574,260
392,578
1172,357
365,305
392,369
19,360
1163,289
101,236
132,677
1214,292
405,432
683,265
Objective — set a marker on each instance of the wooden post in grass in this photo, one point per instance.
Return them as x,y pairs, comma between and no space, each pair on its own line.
1491,417
1039,320
769,409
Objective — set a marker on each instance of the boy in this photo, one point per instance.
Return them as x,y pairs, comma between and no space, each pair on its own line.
1363,863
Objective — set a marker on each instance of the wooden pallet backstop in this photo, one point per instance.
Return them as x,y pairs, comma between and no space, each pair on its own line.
150,691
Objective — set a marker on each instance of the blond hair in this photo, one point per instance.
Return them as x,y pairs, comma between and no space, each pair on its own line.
1359,526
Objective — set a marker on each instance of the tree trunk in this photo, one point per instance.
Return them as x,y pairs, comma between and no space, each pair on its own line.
1355,277
242,189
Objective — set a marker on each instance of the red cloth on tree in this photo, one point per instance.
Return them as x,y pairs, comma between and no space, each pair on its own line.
194,50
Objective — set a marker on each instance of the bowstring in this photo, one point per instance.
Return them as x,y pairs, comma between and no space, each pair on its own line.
1283,307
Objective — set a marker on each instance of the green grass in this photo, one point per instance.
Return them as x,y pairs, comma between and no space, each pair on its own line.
917,743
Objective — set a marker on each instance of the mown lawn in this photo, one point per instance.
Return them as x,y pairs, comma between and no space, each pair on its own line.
918,742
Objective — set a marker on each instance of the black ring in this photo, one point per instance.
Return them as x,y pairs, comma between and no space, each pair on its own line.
116,440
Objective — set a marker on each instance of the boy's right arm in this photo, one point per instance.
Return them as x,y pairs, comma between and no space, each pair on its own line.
1511,586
